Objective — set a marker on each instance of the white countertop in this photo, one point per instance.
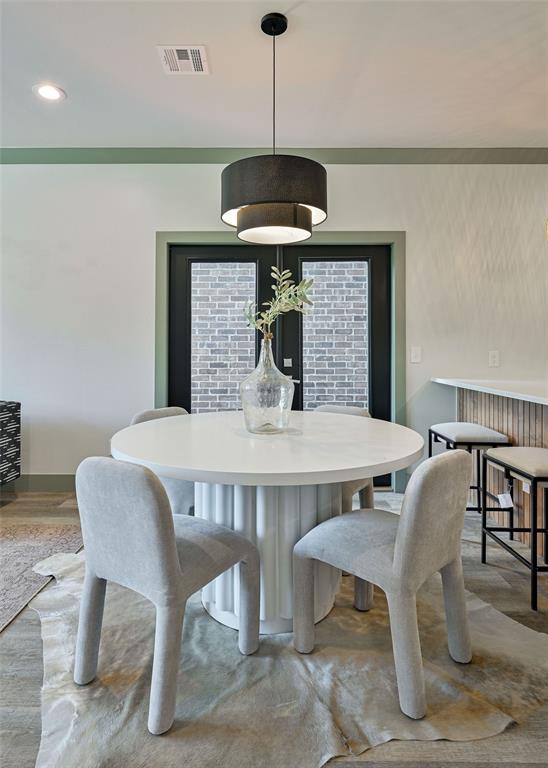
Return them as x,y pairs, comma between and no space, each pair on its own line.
530,391
318,448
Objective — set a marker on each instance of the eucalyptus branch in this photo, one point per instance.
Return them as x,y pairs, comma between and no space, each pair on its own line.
288,297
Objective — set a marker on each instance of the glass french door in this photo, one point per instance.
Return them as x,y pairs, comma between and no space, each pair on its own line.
211,349
339,353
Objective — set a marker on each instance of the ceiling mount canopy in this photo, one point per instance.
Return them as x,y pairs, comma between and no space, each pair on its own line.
274,199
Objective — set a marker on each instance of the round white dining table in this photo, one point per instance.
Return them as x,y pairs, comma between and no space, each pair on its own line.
271,488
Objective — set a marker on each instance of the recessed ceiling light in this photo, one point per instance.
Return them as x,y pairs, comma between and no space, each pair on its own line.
49,92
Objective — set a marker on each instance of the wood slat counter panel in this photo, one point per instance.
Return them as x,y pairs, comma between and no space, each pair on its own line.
525,424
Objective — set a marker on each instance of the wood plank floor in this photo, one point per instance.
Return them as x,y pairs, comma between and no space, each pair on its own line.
502,583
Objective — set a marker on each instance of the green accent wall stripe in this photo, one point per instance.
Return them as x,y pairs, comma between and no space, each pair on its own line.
221,155
42,483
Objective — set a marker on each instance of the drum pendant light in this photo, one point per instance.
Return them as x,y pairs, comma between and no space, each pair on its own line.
274,199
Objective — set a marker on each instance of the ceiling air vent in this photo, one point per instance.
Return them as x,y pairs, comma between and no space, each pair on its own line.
184,59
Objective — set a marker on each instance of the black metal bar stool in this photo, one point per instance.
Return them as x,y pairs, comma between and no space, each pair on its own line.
471,437
530,466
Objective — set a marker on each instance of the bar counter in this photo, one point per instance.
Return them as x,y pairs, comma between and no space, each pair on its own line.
519,409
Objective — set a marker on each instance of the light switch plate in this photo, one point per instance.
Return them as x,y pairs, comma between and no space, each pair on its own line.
494,358
415,355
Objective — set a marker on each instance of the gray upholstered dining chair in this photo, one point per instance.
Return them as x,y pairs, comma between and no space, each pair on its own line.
179,492
363,590
398,553
131,538
363,487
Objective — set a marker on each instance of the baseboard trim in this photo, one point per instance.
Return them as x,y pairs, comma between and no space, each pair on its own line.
37,483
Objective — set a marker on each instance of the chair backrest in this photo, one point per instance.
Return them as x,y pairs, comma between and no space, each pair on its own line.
432,516
350,410
127,527
158,413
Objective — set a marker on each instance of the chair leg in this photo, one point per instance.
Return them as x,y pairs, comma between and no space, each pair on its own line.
167,649
248,636
363,594
545,524
303,603
478,480
456,616
407,654
534,545
367,497
484,474
346,500
89,629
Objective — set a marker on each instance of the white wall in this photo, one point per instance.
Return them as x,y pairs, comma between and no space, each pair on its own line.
78,252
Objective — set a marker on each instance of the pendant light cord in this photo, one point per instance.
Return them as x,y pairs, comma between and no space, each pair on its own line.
273,94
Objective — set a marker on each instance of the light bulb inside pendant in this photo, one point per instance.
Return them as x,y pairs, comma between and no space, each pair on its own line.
274,223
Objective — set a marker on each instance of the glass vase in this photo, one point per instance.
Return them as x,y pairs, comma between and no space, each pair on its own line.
266,395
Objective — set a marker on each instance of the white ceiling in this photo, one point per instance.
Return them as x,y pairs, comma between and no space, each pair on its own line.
350,74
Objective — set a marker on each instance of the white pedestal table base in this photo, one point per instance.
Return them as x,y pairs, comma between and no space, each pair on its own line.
273,518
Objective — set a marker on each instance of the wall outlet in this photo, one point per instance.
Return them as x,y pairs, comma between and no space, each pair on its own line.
415,355
494,358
